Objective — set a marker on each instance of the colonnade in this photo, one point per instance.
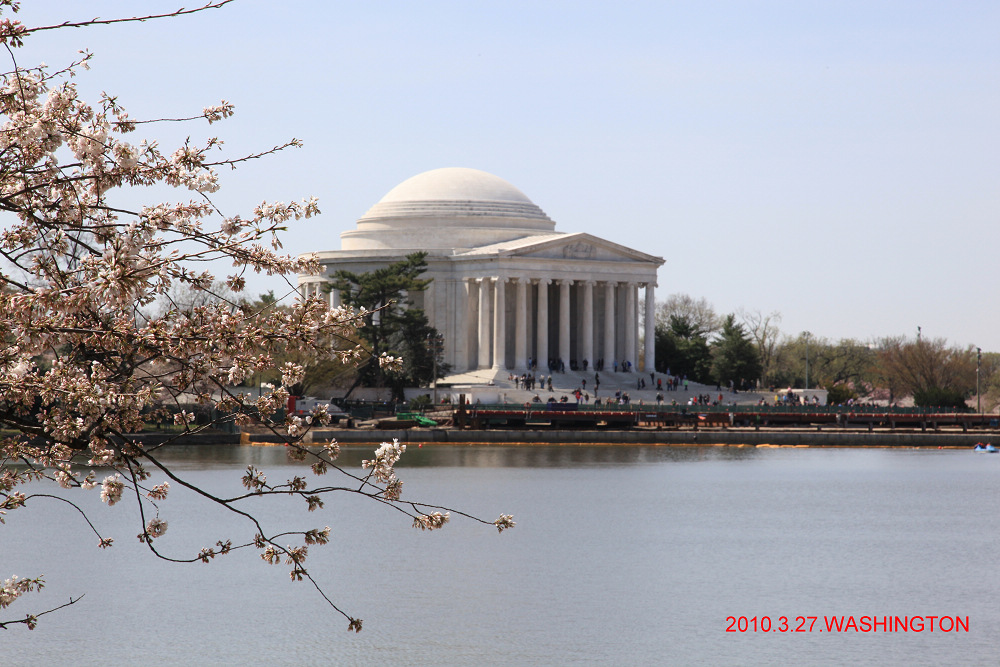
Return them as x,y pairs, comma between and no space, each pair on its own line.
561,324
508,321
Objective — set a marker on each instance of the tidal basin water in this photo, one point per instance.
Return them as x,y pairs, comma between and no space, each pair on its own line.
621,556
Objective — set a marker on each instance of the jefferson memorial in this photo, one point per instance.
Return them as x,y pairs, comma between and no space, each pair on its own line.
506,287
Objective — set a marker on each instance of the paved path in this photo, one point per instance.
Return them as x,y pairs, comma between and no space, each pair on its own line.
564,384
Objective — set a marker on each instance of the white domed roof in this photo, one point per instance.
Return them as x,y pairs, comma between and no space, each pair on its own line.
455,184
448,208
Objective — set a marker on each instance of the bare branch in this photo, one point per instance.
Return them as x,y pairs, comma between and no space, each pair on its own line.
32,619
132,19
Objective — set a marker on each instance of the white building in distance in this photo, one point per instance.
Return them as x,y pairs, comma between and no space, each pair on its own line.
506,288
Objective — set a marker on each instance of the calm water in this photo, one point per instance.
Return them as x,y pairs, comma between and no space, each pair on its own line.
621,555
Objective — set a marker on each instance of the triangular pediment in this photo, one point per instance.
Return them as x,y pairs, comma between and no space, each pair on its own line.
578,247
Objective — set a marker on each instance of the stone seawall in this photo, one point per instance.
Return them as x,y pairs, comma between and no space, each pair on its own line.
735,437
776,437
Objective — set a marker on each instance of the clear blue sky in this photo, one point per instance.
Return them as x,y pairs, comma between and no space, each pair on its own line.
838,162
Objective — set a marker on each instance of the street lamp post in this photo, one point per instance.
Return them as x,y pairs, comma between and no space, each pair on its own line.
806,335
979,365
435,342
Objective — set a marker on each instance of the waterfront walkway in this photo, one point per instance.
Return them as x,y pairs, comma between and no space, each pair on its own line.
504,390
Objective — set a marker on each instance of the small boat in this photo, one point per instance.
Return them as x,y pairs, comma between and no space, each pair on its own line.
988,449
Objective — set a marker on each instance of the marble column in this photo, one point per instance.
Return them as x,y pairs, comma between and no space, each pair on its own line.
429,298
587,345
521,325
484,323
467,291
609,324
500,324
542,343
650,329
635,331
630,328
564,286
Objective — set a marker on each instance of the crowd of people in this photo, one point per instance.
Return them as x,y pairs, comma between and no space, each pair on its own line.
529,381
791,398
558,365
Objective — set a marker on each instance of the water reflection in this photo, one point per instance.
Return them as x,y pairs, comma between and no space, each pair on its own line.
468,456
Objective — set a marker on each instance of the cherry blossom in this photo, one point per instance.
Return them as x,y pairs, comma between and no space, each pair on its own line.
95,345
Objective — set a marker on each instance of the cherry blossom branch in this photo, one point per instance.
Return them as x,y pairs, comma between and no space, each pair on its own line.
85,360
294,556
74,506
14,32
31,620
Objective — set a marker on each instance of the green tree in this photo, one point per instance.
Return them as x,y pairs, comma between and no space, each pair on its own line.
682,348
414,340
840,392
390,327
734,355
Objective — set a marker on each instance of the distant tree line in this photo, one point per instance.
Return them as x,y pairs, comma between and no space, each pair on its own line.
745,349
748,349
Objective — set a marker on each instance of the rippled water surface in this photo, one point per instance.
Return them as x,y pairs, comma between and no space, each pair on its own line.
621,555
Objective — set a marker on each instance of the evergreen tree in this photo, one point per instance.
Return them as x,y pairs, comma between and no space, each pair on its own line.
390,327
413,340
734,356
681,347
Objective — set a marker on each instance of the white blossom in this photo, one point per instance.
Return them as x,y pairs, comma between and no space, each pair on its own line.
504,522
386,457
431,521
156,527
218,112
111,489
87,293
236,375
292,373
294,427
15,587
159,492
183,417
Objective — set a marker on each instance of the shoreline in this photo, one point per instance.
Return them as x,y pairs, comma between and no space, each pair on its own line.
748,437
